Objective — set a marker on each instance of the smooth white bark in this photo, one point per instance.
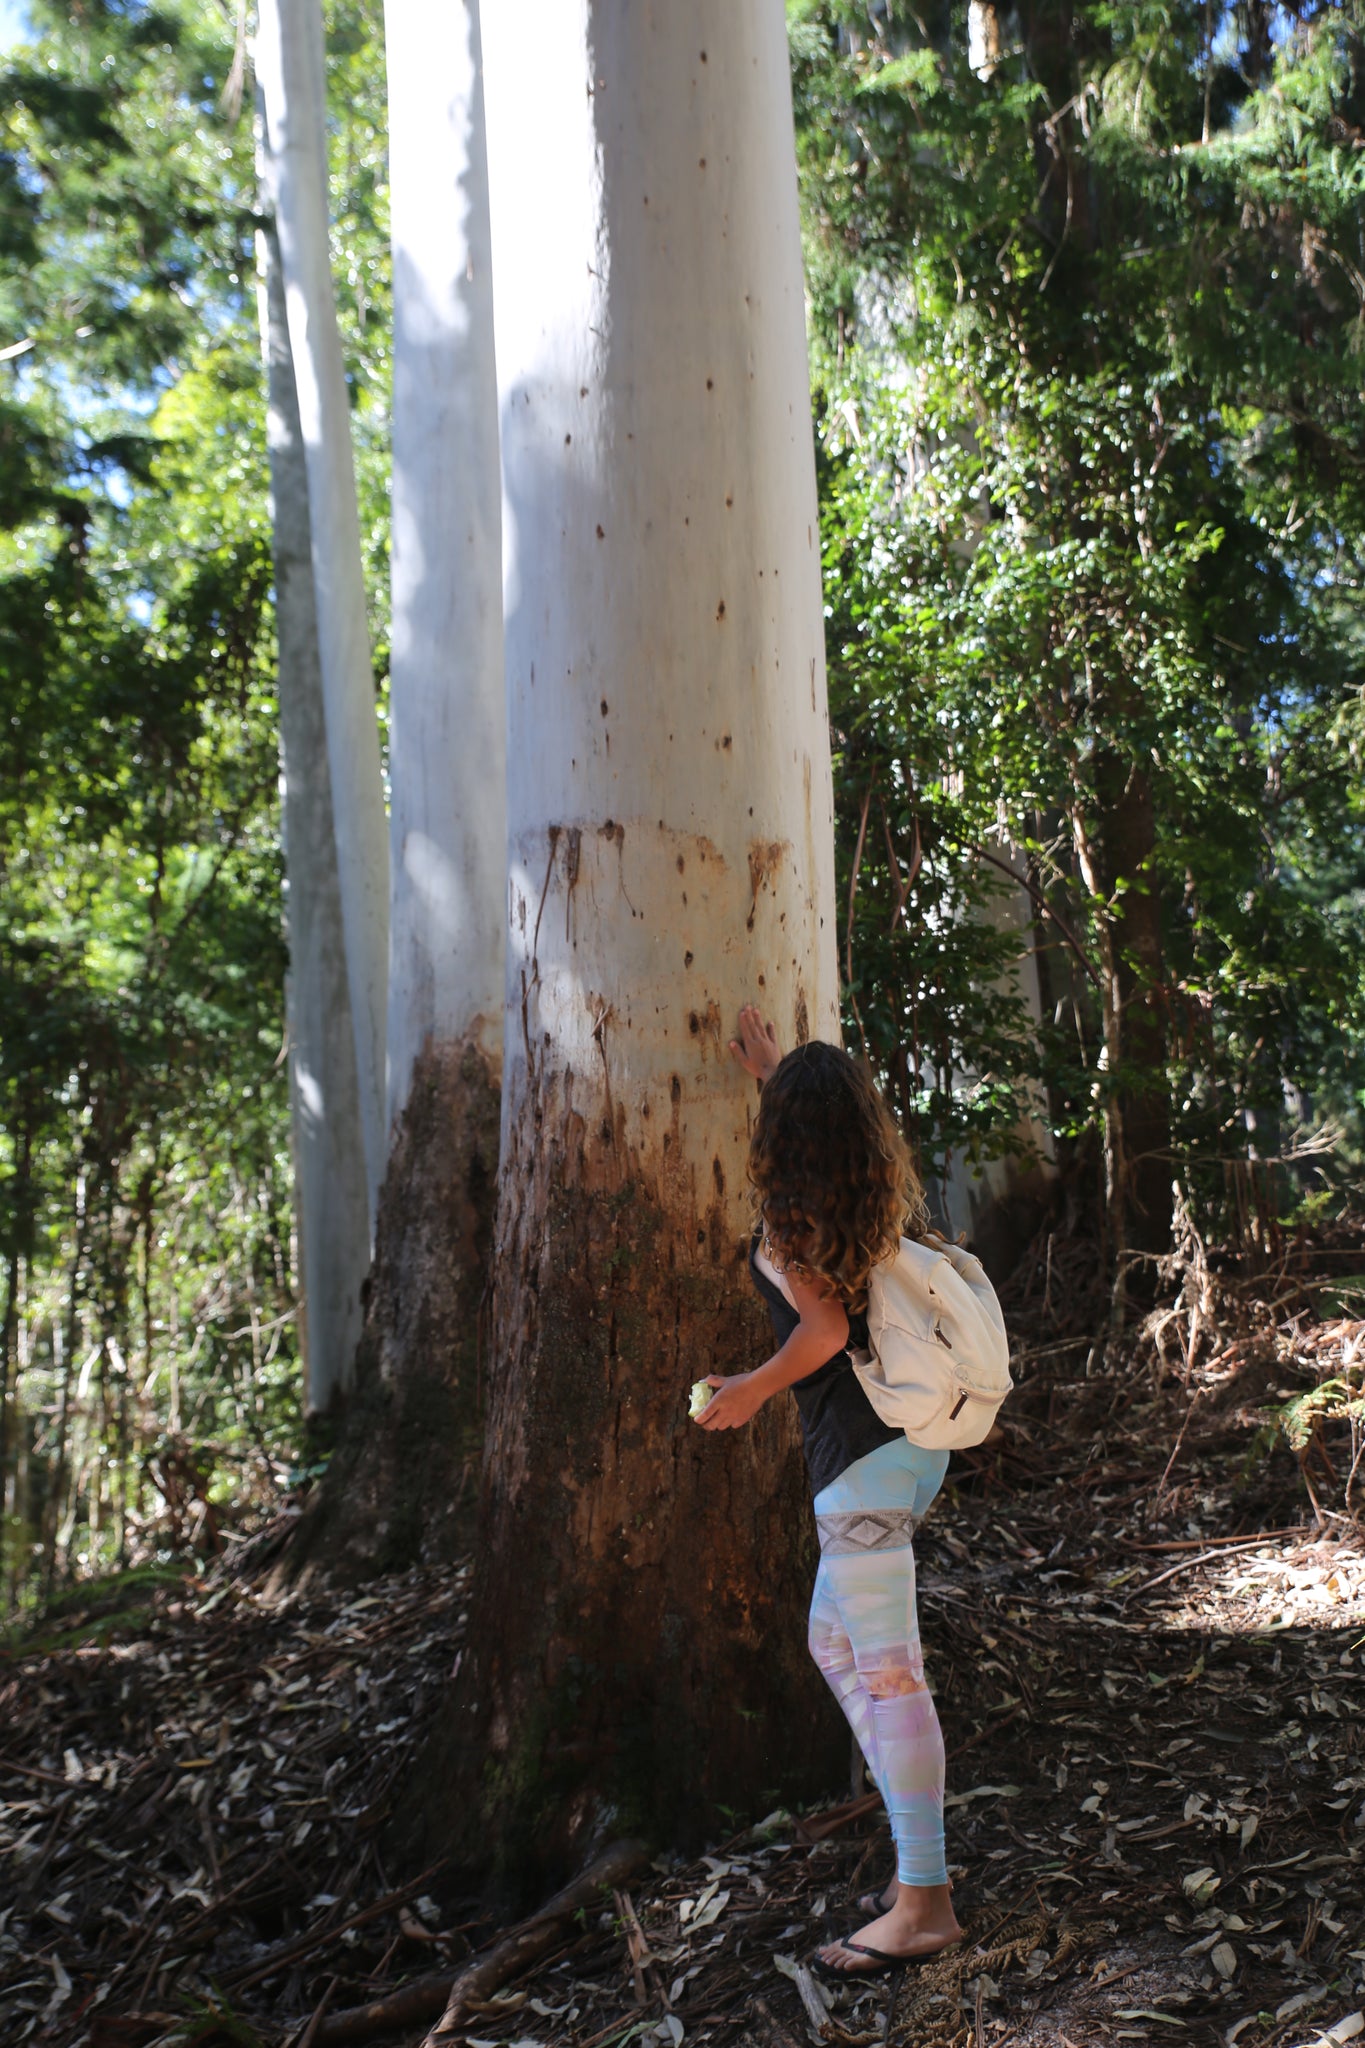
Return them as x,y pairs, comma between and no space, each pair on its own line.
669,795
983,37
447,725
291,71
329,1166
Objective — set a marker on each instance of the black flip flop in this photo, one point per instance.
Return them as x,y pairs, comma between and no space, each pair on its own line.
885,1964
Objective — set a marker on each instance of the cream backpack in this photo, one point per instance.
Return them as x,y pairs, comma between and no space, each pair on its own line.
939,1366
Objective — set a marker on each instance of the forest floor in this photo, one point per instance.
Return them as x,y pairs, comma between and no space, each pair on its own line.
1145,1627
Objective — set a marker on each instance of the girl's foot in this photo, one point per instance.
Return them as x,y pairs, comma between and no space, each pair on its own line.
920,1924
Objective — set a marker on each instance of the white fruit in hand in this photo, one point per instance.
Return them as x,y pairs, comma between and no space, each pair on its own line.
701,1397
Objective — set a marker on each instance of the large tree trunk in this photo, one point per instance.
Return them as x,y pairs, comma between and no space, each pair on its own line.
329,1166
401,1486
1115,846
290,65
636,1651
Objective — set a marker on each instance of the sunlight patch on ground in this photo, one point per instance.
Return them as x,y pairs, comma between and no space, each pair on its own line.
1314,1584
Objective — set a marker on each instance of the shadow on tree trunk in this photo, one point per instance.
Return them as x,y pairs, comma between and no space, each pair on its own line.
402,1485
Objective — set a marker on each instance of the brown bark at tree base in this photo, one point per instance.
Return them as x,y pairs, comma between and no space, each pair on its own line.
402,1486
637,1659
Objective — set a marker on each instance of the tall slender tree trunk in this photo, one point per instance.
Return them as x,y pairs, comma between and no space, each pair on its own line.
401,1484
1135,972
20,1253
291,68
1115,845
636,1651
329,1159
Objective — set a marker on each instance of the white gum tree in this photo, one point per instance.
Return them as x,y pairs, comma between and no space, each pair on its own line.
291,72
447,725
392,1494
671,855
329,1165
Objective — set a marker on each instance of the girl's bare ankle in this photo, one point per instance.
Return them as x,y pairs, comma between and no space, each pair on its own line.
925,1905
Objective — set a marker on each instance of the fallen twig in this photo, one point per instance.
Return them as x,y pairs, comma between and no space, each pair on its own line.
310,2032
777,2034
291,1951
993,1728
27,1771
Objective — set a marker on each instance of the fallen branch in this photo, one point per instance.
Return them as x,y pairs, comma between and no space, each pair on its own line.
447,1998
1209,1542
840,1817
1187,1564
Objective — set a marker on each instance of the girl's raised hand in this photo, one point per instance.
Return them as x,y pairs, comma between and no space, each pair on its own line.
735,1402
756,1048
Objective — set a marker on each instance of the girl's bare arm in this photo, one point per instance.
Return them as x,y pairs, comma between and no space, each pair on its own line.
819,1336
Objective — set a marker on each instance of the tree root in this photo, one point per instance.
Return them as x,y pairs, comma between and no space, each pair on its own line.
447,1999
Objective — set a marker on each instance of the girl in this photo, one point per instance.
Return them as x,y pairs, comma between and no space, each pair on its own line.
836,1190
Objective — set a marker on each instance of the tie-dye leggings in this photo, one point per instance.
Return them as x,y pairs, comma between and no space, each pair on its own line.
864,1635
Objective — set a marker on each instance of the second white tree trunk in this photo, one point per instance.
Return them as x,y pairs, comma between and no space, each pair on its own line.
329,1164
291,68
447,726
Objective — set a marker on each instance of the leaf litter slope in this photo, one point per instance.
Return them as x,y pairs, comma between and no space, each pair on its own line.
1147,1652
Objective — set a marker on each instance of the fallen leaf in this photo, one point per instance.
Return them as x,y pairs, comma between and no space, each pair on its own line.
706,1915
1345,2030
1299,2001
982,1792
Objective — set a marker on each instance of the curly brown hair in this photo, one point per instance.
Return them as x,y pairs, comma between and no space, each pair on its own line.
834,1183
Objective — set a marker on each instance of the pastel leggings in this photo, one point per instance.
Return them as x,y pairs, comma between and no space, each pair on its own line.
864,1635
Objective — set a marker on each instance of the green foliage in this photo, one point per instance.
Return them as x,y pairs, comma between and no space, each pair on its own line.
146,1235
1339,1397
1091,431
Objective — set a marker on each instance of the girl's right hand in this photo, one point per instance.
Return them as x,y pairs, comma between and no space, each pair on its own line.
756,1048
737,1400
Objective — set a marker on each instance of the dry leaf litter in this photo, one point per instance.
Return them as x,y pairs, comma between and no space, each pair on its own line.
1145,1625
